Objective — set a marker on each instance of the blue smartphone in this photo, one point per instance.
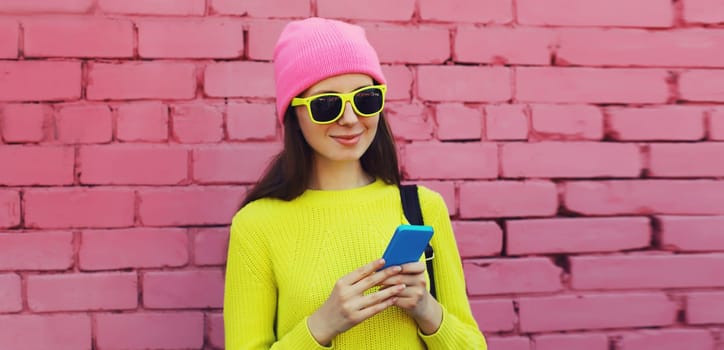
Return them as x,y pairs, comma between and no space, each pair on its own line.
407,244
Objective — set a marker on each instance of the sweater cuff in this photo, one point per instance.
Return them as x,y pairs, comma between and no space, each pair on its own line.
444,334
303,339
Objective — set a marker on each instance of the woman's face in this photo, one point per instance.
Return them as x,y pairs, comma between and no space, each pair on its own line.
349,137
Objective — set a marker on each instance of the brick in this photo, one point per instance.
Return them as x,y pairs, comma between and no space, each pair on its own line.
577,235
225,164
34,332
399,82
676,123
508,343
478,238
262,38
9,208
9,38
189,206
503,276
36,165
36,251
541,199
705,307
239,79
703,11
462,160
142,247
716,124
211,246
10,293
691,233
695,197
46,6
262,8
84,124
406,44
251,121
69,37
566,122
591,85
503,45
142,122
702,85
377,10
215,326
40,80
586,341
602,311
554,159
669,339
686,160
141,80
642,48
79,207
446,189
661,271
25,122
409,121
505,317
464,83
623,13
485,11
190,38
197,123
133,165
183,289
81,292
458,122
153,7
506,122
145,330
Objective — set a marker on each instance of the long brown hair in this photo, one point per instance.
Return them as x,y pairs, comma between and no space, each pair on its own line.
287,176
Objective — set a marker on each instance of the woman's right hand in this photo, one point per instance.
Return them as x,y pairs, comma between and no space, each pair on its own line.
348,306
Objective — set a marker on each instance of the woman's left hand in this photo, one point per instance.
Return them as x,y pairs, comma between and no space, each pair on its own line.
415,299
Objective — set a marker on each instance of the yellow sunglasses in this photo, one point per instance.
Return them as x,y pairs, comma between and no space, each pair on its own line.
327,108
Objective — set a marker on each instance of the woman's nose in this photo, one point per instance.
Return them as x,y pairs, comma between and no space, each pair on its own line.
348,115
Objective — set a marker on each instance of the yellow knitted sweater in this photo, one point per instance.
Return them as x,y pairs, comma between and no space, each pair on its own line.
285,257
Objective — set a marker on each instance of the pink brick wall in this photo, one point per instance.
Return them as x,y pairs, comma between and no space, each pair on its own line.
578,145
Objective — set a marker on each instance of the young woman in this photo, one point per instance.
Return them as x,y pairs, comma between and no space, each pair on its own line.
304,261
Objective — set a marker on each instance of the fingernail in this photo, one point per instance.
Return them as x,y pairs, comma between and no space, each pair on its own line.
397,268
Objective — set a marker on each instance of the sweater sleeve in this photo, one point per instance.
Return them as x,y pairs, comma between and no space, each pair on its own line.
458,330
250,295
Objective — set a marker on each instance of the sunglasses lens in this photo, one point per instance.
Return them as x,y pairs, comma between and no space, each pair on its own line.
326,108
369,101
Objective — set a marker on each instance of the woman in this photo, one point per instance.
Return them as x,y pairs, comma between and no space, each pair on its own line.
304,268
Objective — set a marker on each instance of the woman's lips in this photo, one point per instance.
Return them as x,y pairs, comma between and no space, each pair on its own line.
347,139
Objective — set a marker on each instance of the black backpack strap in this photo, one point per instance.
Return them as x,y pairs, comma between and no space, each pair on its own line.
411,204
413,213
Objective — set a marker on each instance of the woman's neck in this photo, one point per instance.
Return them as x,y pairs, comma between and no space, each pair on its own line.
338,175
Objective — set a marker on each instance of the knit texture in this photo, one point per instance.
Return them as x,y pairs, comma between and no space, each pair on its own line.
314,49
285,257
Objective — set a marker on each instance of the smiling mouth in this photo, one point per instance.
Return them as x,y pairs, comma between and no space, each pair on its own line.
347,139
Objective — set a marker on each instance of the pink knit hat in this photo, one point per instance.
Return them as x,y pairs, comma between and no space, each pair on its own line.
314,49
